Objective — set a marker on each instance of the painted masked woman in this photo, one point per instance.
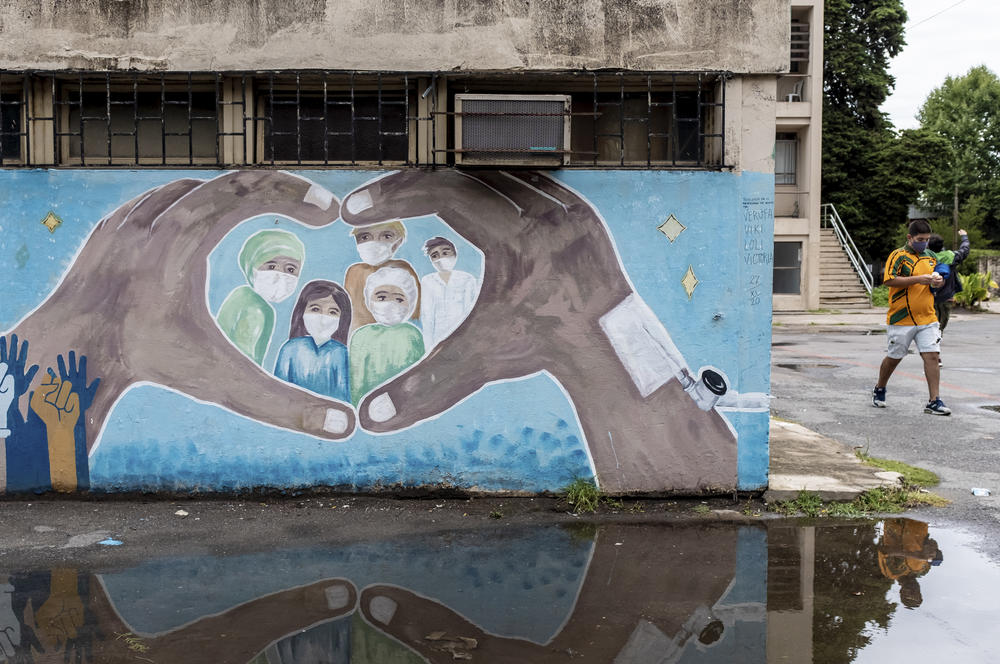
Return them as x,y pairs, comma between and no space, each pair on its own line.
388,346
271,261
315,355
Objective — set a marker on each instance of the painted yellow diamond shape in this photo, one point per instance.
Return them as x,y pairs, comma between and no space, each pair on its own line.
689,281
671,228
51,221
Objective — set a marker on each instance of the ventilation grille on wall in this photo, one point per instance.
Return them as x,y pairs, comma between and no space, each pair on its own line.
512,130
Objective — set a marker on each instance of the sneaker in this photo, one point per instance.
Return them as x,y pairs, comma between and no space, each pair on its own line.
878,397
937,407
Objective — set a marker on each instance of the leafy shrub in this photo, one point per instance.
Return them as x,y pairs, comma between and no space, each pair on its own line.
975,289
880,296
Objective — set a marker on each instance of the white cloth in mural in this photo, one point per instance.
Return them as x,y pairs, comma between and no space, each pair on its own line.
443,306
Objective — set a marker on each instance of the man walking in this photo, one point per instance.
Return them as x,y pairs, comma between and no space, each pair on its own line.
910,275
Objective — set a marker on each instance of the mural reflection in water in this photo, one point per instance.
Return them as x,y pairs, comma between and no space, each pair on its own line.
616,593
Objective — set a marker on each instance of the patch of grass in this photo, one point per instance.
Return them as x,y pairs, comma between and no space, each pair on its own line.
582,495
822,311
614,503
880,296
637,507
883,500
912,476
496,514
701,508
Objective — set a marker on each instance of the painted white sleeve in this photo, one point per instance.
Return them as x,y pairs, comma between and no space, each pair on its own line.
643,345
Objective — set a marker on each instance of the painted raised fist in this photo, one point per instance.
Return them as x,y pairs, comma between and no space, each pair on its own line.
134,304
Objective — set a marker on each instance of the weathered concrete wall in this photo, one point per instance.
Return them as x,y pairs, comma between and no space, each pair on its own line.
155,332
416,35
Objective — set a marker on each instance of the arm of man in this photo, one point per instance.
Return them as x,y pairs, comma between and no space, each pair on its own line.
963,247
932,279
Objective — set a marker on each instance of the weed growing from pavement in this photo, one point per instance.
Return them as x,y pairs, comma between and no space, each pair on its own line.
883,500
701,508
911,474
582,495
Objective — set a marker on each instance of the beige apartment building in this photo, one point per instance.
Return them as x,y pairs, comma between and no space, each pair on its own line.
797,163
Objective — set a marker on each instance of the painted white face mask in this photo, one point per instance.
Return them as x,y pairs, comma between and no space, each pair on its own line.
389,313
320,326
274,286
445,263
375,252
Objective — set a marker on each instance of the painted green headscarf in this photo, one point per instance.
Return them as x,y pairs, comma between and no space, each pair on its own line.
265,245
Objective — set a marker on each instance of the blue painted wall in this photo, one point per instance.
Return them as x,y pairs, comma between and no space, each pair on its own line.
518,433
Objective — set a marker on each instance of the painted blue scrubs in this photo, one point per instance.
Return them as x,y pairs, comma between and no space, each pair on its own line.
322,370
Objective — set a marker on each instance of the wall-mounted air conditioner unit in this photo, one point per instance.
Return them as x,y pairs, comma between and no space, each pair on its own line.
512,130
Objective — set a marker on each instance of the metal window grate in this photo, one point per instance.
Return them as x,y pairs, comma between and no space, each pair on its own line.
346,118
14,140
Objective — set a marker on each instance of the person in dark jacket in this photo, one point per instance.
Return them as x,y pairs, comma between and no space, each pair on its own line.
952,285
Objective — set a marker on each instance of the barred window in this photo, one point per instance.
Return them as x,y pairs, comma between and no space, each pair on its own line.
337,118
139,122
334,119
12,135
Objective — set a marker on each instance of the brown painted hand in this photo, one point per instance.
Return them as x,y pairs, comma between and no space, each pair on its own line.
633,596
551,274
133,302
232,637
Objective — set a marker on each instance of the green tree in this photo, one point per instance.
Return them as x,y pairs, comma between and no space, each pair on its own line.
965,111
870,173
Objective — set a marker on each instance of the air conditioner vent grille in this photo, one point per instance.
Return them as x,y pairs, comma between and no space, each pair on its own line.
508,130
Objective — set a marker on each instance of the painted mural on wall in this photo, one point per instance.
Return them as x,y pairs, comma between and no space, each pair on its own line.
490,330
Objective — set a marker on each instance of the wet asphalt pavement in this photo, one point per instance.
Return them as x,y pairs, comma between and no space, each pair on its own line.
824,381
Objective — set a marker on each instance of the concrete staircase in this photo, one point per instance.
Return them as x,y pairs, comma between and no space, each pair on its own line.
839,285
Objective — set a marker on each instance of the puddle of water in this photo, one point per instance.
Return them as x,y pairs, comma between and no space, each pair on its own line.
806,366
868,592
994,408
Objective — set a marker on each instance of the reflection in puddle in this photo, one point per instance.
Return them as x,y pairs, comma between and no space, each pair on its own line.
775,592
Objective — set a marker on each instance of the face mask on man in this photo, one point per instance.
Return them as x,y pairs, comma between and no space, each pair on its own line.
918,247
445,263
320,326
389,313
375,252
274,286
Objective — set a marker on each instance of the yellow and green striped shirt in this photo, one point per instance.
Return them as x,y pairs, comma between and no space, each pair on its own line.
913,305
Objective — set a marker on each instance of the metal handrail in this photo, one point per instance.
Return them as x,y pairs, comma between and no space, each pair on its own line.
830,217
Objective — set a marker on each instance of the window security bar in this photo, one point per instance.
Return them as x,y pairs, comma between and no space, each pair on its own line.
312,118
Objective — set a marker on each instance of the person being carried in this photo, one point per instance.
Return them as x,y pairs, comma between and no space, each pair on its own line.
947,267
909,274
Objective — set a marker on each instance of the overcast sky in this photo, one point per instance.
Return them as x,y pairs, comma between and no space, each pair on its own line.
964,34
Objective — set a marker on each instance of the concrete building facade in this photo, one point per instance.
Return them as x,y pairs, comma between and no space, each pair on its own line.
493,246
798,161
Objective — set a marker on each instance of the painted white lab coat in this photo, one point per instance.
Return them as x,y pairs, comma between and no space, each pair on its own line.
443,306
